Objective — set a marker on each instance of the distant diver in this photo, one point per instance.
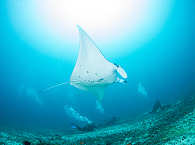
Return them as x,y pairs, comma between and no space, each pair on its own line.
30,93
99,106
141,90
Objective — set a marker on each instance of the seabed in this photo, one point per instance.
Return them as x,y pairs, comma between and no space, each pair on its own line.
172,125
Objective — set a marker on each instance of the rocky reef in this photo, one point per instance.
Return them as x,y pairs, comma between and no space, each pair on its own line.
171,125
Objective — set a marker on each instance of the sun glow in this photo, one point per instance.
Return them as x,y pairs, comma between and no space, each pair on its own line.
102,17
51,23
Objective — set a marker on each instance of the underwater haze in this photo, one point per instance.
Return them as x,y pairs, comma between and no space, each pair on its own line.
159,62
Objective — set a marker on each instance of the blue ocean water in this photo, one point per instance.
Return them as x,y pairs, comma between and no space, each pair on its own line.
164,66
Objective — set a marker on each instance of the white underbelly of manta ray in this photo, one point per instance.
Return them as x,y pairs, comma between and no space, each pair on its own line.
92,71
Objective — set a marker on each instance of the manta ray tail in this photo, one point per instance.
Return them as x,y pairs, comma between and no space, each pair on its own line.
55,86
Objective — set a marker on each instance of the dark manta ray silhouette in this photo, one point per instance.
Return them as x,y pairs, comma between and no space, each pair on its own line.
93,72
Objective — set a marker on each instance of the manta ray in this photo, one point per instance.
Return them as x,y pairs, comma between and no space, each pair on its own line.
92,71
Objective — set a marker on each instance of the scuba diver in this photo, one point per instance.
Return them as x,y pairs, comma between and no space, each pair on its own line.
92,126
88,127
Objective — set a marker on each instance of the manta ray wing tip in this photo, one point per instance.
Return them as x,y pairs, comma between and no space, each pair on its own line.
79,27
